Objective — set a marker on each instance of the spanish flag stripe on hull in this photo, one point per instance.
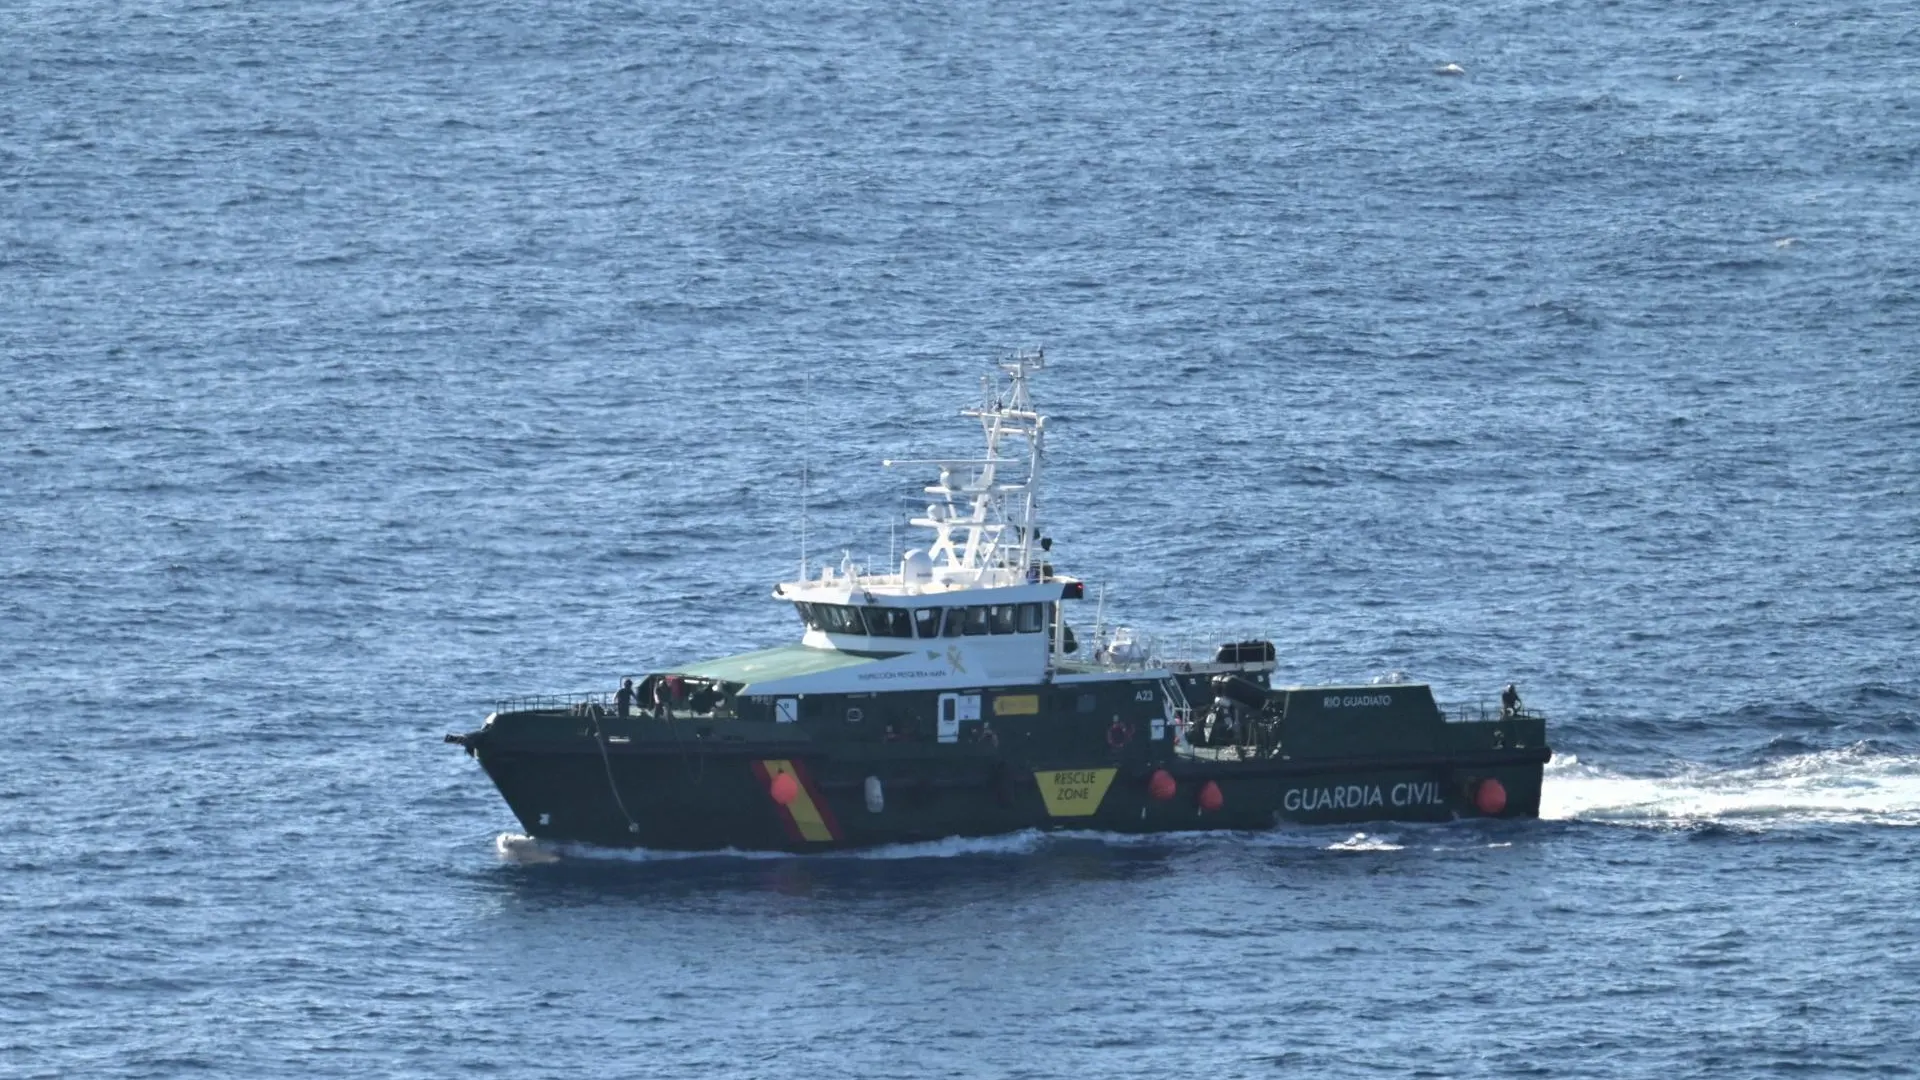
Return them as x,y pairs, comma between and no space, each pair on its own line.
807,816
815,802
761,774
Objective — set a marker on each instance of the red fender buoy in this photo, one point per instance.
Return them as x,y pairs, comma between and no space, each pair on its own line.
784,788
1210,797
1161,786
1490,796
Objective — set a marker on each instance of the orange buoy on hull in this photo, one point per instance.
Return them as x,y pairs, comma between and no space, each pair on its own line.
1210,797
784,788
1490,796
1161,786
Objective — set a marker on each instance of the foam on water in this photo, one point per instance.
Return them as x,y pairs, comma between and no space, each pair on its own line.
523,850
1365,842
526,850
1851,785
531,851
1855,785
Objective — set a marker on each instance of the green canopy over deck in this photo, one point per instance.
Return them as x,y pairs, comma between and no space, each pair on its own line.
779,662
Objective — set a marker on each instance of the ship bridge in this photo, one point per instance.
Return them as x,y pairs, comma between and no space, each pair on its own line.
981,603
983,595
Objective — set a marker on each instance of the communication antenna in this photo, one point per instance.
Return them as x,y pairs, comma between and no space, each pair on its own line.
806,451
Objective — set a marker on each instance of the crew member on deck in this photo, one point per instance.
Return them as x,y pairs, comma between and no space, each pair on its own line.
1509,701
623,698
703,699
664,697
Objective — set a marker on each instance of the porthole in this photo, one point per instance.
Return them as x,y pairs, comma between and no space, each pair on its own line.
854,716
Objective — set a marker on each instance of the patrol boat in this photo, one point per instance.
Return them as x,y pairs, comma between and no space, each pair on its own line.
949,696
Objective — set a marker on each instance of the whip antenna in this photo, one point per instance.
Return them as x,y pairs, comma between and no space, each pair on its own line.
806,453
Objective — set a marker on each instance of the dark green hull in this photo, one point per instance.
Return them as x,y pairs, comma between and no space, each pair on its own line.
709,783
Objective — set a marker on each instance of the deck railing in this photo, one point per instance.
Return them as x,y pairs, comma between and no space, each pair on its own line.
1179,651
553,702
1481,711
601,703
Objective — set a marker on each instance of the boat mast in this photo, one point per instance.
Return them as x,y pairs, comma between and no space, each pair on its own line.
806,396
1012,415
974,498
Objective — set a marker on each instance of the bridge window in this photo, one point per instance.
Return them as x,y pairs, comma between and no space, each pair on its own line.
889,622
1001,616
840,619
928,621
808,616
976,623
956,618
1030,621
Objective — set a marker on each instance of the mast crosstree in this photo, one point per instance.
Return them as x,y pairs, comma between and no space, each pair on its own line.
985,516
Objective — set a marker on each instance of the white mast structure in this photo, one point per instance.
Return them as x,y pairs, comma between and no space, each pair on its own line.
981,601
985,513
996,518
980,606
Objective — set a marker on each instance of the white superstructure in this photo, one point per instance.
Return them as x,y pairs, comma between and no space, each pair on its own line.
980,606
981,602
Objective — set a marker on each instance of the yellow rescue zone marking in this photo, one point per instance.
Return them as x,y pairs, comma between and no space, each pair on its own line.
1073,792
1017,705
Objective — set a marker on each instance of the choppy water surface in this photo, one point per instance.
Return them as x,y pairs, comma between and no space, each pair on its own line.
367,360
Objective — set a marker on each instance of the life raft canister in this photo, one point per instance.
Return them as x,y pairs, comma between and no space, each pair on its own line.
1242,691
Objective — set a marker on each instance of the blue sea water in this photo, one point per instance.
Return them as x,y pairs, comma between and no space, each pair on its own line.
367,360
